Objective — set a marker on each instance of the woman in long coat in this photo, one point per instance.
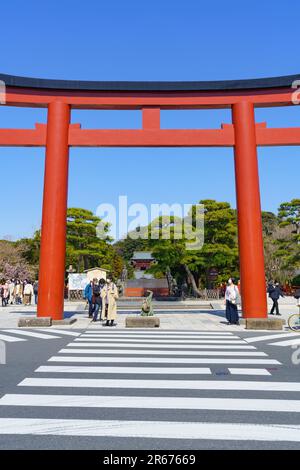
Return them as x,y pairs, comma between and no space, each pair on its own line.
109,295
18,292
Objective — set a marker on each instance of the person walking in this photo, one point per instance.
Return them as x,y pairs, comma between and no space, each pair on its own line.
35,291
6,293
88,295
275,293
109,295
18,292
23,290
11,292
28,293
184,290
232,298
2,294
97,300
297,297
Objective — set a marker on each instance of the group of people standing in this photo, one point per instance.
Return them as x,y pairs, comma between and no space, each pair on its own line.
102,296
18,292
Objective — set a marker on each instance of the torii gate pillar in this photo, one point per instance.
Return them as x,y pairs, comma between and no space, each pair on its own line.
252,271
53,233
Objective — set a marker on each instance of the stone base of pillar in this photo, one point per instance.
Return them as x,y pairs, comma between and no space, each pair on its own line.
142,322
36,321
44,321
65,321
264,323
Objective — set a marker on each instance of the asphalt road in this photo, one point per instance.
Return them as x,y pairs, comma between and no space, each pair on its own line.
207,402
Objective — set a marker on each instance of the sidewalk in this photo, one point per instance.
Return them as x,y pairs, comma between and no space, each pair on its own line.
197,318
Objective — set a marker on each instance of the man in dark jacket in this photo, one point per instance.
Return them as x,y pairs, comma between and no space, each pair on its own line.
35,291
88,295
275,292
97,299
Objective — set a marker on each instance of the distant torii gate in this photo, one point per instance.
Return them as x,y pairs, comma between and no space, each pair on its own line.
61,96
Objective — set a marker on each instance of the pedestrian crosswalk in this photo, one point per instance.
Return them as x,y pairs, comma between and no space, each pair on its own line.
11,335
141,385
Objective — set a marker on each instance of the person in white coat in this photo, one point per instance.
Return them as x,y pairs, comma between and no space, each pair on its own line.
11,292
109,295
28,293
231,298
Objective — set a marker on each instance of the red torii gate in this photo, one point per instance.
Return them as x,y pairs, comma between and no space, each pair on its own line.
61,96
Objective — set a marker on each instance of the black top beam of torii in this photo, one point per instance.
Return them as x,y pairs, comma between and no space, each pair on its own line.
82,85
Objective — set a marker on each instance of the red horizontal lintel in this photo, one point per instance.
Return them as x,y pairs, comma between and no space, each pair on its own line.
149,137
24,137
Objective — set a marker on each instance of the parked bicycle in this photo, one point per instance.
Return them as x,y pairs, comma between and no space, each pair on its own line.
294,320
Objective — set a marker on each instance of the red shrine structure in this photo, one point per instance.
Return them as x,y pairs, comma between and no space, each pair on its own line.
58,135
143,281
141,261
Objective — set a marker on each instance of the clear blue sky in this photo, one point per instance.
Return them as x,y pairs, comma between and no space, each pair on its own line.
145,40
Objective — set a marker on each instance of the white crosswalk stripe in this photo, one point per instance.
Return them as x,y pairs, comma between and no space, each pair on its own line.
255,339
158,334
159,337
147,429
162,384
11,335
125,370
293,339
10,339
33,334
200,344
248,371
202,339
117,376
169,360
152,352
183,403
290,342
61,332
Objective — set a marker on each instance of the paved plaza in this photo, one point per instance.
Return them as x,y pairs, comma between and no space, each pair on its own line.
188,315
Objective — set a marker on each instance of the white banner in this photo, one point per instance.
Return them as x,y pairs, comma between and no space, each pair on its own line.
78,281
